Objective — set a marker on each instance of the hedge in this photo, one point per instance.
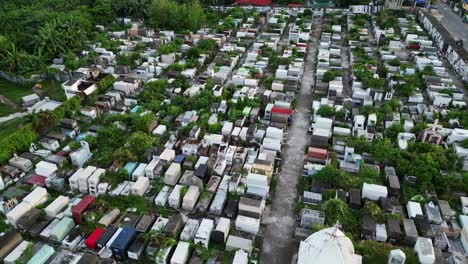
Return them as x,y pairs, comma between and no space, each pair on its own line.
17,142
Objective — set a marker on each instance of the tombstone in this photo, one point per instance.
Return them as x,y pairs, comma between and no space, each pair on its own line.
396,257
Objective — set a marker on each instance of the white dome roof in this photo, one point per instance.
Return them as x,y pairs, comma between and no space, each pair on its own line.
327,246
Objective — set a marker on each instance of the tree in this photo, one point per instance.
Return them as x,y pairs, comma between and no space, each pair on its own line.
154,90
382,70
382,150
102,11
419,127
124,59
14,58
193,53
328,76
369,175
138,143
174,110
133,8
359,144
337,211
393,131
115,177
395,62
326,111
328,175
61,34
142,122
169,14
207,45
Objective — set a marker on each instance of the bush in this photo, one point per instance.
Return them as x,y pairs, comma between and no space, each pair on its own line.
395,62
105,84
338,211
328,76
326,111
17,142
376,252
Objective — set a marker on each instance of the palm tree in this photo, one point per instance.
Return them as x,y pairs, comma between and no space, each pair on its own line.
50,39
13,58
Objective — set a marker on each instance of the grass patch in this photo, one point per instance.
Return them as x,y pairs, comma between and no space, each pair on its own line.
4,226
9,127
6,110
14,91
53,89
125,202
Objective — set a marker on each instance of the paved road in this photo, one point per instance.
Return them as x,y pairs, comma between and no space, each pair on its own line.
452,22
279,246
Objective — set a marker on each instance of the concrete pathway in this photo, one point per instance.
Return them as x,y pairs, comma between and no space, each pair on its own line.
12,116
452,22
279,246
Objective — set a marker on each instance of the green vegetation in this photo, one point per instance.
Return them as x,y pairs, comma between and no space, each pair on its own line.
16,142
386,20
328,76
33,33
337,211
105,84
19,140
114,178
125,202
53,89
6,110
326,111
171,15
3,226
14,91
376,252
